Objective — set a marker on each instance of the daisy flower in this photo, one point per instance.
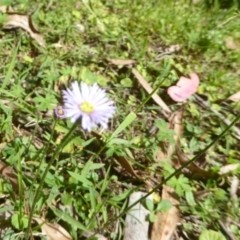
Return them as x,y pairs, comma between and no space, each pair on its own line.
88,103
59,112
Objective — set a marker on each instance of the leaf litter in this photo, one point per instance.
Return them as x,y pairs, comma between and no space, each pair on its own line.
166,223
52,231
180,156
23,21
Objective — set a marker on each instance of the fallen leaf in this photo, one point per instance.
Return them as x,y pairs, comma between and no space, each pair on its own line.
149,89
184,88
228,168
166,222
121,61
136,225
196,172
15,20
235,97
126,165
8,173
202,193
53,231
160,156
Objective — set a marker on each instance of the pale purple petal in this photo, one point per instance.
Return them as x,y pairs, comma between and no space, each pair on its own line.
103,108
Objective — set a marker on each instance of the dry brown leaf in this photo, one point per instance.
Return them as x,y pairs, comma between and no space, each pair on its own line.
149,89
126,165
121,61
202,193
166,222
228,168
15,20
53,231
8,173
197,171
235,97
160,156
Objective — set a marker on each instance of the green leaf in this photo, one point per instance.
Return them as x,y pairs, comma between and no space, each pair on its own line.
126,82
80,178
190,198
119,141
152,217
164,133
102,81
66,198
10,70
127,121
121,196
15,220
149,204
164,206
65,217
19,222
211,235
90,166
87,76
6,208
180,184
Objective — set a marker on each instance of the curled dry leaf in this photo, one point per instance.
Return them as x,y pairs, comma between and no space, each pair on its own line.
184,88
53,231
15,20
166,222
235,97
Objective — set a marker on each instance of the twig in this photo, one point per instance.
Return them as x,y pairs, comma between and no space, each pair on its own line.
224,228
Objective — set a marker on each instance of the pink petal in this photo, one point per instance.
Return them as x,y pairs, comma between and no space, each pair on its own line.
184,88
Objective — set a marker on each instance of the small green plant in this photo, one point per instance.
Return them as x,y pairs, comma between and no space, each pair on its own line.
162,206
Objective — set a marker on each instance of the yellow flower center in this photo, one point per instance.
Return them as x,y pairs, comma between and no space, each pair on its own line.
60,112
86,107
